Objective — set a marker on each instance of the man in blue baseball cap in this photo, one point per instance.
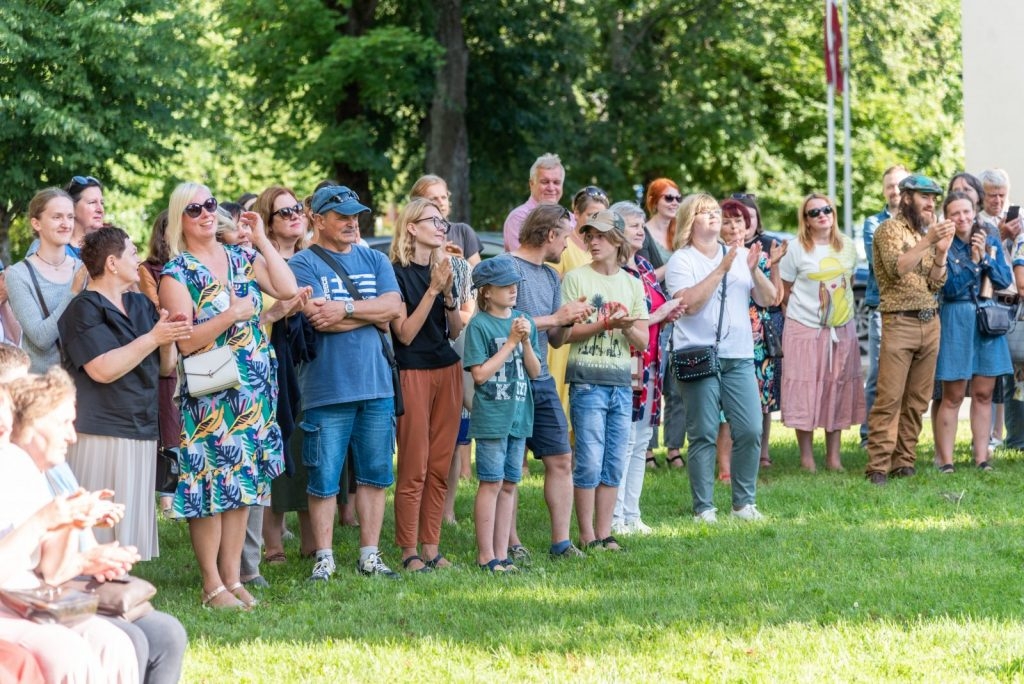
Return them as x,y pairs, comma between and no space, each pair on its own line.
347,389
910,265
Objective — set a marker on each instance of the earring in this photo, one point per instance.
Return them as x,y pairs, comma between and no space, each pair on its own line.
115,271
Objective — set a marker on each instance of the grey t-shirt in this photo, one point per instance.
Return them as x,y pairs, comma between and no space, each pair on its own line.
466,238
540,294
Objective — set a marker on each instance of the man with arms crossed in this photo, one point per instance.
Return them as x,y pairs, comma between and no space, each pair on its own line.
347,393
910,264
541,239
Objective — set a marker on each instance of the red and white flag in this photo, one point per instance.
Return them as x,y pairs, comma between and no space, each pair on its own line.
833,46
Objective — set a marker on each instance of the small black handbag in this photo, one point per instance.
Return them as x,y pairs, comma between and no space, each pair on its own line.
696,363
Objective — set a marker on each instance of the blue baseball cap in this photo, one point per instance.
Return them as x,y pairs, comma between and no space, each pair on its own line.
500,270
337,198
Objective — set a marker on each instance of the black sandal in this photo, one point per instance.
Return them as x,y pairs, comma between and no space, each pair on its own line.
670,460
410,559
652,463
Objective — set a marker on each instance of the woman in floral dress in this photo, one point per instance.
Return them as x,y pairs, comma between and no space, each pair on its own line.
231,444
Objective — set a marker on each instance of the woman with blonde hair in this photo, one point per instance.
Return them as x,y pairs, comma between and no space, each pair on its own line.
716,281
431,376
435,189
823,389
231,444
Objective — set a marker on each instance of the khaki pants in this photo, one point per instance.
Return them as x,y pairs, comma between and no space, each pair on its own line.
906,374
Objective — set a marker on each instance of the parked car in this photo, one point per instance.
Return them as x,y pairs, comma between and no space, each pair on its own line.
493,244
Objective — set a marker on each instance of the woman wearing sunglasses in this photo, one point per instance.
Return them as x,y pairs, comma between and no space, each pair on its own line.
41,285
231,445
716,282
433,286
824,389
286,225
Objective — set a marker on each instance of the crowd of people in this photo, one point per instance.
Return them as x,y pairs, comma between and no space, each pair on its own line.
279,361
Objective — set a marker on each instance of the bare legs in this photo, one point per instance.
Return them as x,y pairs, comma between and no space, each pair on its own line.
953,393
217,542
805,440
493,509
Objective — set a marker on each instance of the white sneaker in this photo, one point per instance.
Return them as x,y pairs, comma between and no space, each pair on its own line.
708,516
748,512
621,528
639,527
323,569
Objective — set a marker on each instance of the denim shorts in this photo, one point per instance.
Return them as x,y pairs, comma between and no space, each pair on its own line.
367,426
601,420
550,428
500,459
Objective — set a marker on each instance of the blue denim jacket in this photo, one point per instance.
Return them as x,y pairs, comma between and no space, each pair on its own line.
870,224
963,276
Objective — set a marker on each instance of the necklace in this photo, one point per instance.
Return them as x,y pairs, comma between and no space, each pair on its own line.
51,265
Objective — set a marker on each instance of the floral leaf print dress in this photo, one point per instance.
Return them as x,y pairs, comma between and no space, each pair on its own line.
231,444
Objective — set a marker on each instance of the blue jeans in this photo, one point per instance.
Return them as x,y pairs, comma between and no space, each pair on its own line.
500,459
735,393
601,420
871,383
328,430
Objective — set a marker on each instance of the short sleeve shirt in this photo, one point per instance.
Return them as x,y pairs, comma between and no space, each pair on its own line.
540,294
822,292
430,348
349,366
92,326
502,406
603,359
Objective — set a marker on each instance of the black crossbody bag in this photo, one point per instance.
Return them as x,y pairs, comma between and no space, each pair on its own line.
696,363
353,292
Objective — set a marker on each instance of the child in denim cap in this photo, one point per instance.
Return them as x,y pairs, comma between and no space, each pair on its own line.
500,356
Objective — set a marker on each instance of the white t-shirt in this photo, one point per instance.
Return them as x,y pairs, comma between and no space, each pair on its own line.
686,268
822,292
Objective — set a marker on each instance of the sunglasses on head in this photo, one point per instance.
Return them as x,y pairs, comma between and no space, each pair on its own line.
79,183
744,196
672,198
591,191
286,212
818,211
340,198
195,209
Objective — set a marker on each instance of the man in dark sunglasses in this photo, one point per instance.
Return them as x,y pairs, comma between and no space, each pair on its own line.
910,264
547,175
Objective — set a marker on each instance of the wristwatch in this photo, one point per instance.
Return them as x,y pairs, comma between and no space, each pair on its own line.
350,309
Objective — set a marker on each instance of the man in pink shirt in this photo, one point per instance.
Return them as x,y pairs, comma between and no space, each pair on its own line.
546,178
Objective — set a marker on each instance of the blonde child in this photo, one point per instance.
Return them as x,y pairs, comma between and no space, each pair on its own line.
500,356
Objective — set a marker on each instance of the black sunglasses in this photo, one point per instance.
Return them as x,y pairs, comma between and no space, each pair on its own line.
195,210
672,198
744,196
286,212
439,223
340,198
818,211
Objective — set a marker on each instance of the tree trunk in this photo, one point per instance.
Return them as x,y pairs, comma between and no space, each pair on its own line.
5,235
448,140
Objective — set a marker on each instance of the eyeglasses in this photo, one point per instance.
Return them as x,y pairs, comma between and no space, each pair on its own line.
818,211
439,223
79,183
672,198
590,191
195,210
340,198
286,212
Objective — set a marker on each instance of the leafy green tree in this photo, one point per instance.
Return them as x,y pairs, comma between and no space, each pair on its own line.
85,86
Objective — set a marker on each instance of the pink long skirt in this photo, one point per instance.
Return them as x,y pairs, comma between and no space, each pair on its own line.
822,385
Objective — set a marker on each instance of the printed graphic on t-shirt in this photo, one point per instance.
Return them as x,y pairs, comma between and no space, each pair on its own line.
833,303
510,382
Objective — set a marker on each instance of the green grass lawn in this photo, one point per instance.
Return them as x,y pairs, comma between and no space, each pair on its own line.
916,581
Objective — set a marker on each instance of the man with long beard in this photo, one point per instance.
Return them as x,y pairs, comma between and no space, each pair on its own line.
910,265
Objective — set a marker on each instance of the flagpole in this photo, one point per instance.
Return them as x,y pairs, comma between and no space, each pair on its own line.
830,105
847,141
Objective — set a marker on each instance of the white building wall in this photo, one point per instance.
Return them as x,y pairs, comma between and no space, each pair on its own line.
993,79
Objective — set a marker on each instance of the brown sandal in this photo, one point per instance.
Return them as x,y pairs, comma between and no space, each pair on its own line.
276,558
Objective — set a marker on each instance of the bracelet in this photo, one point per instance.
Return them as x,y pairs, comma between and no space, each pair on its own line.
453,307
